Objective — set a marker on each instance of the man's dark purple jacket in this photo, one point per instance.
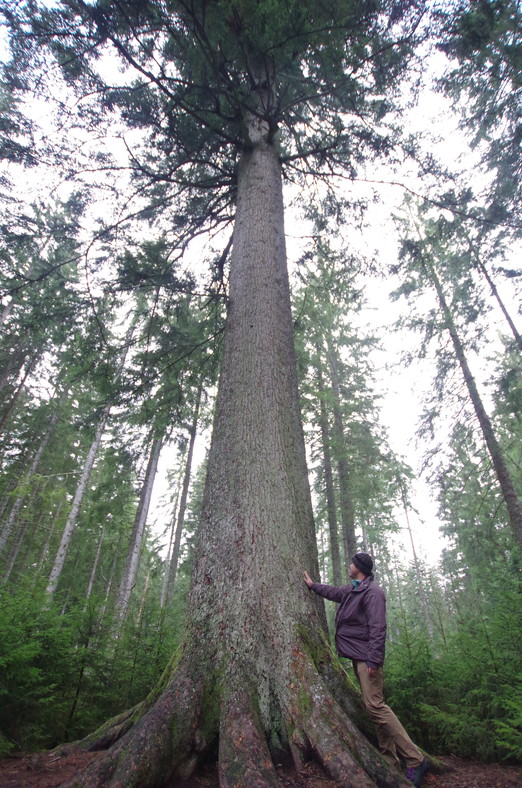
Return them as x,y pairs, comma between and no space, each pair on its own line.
360,623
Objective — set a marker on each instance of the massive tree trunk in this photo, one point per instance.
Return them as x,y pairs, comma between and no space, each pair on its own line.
255,673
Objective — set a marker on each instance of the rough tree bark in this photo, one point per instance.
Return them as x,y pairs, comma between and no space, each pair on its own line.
255,672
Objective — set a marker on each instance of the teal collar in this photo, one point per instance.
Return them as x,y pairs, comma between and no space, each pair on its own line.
355,583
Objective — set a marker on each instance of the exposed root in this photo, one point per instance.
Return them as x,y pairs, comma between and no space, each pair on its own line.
338,744
109,732
244,757
166,740
168,735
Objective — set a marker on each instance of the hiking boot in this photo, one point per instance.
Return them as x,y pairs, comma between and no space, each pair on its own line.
416,773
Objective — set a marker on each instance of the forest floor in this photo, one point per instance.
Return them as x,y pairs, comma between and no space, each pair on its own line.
49,770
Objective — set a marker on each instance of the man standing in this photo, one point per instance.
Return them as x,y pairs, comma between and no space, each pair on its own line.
360,635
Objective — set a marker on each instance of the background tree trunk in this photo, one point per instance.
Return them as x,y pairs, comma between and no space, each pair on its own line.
94,566
345,496
132,563
174,558
70,525
328,480
13,514
513,504
18,391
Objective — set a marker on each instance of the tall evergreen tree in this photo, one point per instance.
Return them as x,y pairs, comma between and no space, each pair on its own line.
232,93
430,259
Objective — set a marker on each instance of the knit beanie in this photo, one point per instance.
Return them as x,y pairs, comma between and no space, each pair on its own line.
363,562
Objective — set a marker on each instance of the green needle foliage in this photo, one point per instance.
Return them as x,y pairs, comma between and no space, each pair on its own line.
462,695
322,76
483,42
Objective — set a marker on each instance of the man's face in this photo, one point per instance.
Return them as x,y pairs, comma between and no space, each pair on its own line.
353,571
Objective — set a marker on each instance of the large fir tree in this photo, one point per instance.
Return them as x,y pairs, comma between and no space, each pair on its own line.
235,94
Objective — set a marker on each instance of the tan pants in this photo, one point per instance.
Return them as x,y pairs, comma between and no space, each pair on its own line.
391,735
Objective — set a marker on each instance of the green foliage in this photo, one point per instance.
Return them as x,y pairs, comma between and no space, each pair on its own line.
37,670
340,405
61,676
463,694
484,47
509,733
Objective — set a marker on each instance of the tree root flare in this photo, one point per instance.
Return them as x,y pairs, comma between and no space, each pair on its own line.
244,757
338,744
167,736
165,741
110,732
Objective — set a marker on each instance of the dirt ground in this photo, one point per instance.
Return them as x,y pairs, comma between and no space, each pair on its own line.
49,770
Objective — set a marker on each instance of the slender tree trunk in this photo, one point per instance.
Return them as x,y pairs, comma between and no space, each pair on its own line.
138,635
328,480
435,595
183,499
14,399
5,312
404,633
110,579
166,573
143,600
507,487
14,551
94,567
345,495
255,671
132,562
418,574
12,368
76,505
11,520
70,525
21,540
47,541
496,295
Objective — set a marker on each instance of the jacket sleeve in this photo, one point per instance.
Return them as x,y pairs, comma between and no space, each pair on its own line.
376,616
335,593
